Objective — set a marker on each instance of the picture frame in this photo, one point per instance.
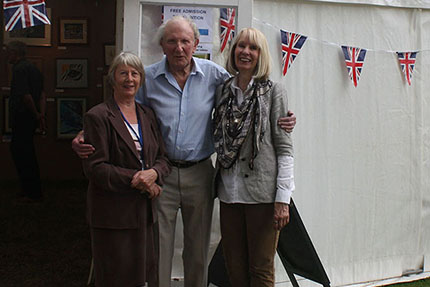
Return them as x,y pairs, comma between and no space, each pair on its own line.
39,35
73,31
72,73
6,128
70,116
109,53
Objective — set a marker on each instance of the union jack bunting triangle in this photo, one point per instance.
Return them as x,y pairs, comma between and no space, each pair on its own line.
21,14
291,43
354,59
227,25
407,63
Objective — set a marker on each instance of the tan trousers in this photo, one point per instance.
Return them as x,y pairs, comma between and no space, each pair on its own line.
249,243
188,189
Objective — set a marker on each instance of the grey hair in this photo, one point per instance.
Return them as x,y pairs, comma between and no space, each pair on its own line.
128,59
160,32
17,46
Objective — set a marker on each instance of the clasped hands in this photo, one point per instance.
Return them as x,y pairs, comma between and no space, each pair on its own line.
144,180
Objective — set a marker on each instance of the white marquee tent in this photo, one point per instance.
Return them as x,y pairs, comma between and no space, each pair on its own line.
362,155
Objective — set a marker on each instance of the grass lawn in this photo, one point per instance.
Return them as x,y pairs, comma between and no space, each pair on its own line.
420,283
48,244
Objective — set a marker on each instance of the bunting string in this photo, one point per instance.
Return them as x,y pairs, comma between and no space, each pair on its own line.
332,43
292,42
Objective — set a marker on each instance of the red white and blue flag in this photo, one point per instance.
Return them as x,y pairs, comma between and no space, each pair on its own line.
291,43
21,14
354,59
407,63
227,24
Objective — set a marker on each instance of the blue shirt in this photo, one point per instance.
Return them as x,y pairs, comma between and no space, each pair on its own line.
185,116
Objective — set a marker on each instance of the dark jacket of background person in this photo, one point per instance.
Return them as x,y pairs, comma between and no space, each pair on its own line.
26,80
111,202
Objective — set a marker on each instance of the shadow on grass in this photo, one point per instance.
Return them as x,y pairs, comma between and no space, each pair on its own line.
44,244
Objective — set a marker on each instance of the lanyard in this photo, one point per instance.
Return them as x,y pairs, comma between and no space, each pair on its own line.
139,136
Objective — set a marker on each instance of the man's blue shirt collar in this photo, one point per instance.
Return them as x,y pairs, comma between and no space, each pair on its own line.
162,69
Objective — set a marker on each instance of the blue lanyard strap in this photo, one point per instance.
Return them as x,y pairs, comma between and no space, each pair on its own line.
139,136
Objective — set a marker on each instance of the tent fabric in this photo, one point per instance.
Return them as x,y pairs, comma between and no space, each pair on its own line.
362,155
392,3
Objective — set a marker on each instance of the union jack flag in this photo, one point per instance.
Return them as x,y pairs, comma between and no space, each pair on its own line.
21,14
227,24
407,63
354,59
291,43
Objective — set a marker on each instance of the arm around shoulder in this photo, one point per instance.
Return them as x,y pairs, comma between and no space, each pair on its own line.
279,107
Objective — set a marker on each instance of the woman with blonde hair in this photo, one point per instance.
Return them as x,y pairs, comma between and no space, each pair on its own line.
255,161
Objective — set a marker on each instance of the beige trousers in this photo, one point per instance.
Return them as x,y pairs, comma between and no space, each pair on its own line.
188,189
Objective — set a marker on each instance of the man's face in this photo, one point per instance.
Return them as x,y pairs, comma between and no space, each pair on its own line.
179,45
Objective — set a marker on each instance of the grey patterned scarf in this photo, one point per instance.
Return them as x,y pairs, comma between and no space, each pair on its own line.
233,122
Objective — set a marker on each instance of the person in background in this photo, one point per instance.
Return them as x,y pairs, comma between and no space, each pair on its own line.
255,161
27,113
125,175
181,90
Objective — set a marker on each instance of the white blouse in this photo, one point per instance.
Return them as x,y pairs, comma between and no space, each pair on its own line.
134,137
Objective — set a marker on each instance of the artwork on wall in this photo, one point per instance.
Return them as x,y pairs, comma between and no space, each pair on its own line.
72,73
39,35
74,31
70,114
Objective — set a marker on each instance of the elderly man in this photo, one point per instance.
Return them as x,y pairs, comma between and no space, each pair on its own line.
181,91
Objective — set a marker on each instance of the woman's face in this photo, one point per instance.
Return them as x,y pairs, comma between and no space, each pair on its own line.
246,55
127,80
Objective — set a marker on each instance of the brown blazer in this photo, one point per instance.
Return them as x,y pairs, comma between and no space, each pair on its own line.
111,202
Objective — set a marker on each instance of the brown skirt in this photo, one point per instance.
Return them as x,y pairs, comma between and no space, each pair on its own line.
124,258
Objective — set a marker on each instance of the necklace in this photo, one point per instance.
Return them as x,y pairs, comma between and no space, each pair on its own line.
236,116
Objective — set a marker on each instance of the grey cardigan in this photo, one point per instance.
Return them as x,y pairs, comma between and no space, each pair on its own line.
261,180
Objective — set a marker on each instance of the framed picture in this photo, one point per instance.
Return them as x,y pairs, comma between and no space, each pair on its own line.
7,128
109,51
74,31
72,73
39,35
70,114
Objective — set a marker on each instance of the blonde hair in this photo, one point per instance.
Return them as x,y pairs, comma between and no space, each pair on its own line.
264,64
128,59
